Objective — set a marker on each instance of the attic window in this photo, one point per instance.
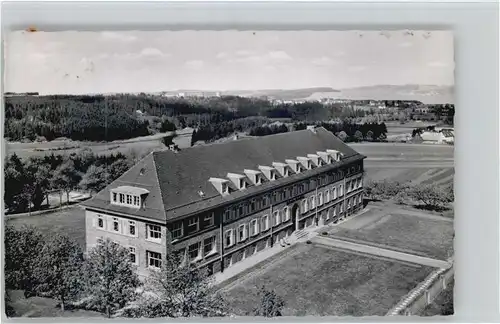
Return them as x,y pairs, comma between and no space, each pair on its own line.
225,188
128,196
243,184
273,175
297,168
258,179
285,172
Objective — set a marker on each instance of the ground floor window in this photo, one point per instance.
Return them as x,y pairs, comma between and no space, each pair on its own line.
154,259
133,255
194,251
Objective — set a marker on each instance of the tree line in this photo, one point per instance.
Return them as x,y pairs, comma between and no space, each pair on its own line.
27,181
123,116
105,279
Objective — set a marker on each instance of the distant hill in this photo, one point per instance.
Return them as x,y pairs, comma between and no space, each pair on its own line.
428,94
289,94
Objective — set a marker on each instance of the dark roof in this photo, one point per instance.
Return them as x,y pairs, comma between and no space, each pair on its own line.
181,175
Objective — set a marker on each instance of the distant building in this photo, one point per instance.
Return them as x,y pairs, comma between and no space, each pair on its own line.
218,204
439,136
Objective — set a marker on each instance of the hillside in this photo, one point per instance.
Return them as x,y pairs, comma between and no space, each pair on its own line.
427,94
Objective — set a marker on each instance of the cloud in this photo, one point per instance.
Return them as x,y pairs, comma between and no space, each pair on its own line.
194,64
437,64
244,52
151,51
272,57
222,55
405,44
323,61
279,55
117,36
357,68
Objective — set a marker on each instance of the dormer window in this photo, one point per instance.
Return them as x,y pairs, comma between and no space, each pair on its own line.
243,184
225,188
258,179
273,175
128,196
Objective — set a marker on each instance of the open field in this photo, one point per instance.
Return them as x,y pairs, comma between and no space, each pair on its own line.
69,221
319,281
396,128
139,146
425,236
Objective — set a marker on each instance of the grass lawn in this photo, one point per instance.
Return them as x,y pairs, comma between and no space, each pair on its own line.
319,281
69,221
44,307
418,235
415,175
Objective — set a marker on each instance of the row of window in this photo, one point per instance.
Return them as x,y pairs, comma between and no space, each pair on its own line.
127,227
125,199
193,225
329,194
281,195
254,227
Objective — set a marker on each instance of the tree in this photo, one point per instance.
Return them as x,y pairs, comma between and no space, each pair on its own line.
271,305
58,270
14,183
343,136
167,126
22,250
369,135
110,278
431,195
358,136
36,181
95,179
178,289
66,177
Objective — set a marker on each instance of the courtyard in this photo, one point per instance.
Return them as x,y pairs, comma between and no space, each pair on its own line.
321,281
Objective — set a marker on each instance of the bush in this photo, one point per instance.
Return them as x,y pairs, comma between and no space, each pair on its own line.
324,233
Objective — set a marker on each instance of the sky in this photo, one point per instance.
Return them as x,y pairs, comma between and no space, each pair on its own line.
149,61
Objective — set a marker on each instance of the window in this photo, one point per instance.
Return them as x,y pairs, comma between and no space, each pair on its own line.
243,184
242,233
258,179
265,222
360,184
228,238
177,230
254,227
360,199
240,211
131,228
334,193
116,224
132,255
276,218
320,199
285,172
312,202
122,198
304,206
153,232
286,213
194,251
341,208
137,201
154,259
327,196
129,200
100,221
209,219
297,168
349,203
253,207
227,215
265,201
209,246
334,211
273,175
328,211
115,195
193,224
341,190
225,188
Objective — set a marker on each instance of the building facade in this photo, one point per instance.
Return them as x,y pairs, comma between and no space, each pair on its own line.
219,204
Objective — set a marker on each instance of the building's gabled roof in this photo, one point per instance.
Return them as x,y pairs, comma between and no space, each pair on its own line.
179,177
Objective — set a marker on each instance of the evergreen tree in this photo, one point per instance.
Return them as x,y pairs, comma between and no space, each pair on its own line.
271,305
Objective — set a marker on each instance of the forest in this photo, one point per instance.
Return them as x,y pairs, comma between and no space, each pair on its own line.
123,116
